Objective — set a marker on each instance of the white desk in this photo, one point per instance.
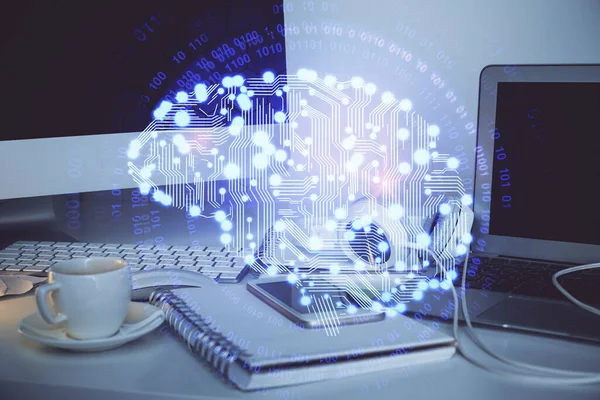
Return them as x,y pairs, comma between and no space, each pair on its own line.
157,367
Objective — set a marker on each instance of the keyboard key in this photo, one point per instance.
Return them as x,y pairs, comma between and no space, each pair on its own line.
98,255
131,257
169,265
147,252
168,258
150,260
135,268
79,255
223,264
94,245
129,251
197,248
14,268
112,254
6,256
150,267
229,276
179,248
220,269
62,244
212,275
77,245
215,249
12,247
190,259
62,257
36,268
164,253
144,247
110,246
182,253
24,258
45,263
27,263
181,264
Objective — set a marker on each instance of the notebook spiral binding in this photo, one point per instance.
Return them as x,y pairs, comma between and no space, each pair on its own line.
204,342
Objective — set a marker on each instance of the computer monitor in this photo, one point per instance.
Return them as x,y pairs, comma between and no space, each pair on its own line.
82,81
537,172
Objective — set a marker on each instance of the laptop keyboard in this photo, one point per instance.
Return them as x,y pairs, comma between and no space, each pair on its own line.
219,263
532,279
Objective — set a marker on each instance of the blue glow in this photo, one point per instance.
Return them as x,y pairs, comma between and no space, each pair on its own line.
378,260
195,211
466,200
445,209
445,285
338,304
423,239
425,263
351,309
386,296
220,216
157,195
220,90
380,231
302,290
417,295
305,300
357,224
452,275
243,89
201,93
244,102
349,236
467,238
279,117
461,249
286,88
272,270
422,285
182,97
383,247
223,111
231,97
227,82
166,200
292,278
222,191
269,77
226,238
226,225
434,284
278,92
144,188
237,80
376,306
401,307
182,118
311,284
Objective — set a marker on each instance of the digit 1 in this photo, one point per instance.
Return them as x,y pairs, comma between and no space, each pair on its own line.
500,149
504,171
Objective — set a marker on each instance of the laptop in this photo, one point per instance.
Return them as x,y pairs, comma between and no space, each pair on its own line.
536,211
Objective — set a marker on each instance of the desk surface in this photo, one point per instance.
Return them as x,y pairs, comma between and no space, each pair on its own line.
159,367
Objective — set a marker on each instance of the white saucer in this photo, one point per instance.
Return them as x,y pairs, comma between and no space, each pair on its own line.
141,319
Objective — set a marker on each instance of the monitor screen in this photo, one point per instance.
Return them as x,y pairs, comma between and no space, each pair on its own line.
546,169
80,68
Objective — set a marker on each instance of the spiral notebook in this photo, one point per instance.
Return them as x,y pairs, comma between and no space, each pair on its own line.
250,345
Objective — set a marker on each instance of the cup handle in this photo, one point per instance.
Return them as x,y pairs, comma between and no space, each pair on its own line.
41,298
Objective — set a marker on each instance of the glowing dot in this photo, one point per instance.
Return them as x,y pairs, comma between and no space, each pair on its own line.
220,90
386,296
245,198
404,168
334,269
236,125
330,80
194,211
433,130
376,179
182,118
461,249
400,307
250,93
279,117
417,295
209,165
422,285
445,285
278,92
345,101
244,102
261,161
466,200
315,243
227,82
445,209
268,77
231,171
249,259
434,284
253,182
340,213
223,111
292,278
330,225
387,97
231,96
280,155
383,247
237,80
423,239
279,226
272,270
452,275
226,225
405,105
260,138
307,75
226,238
467,238
376,306
395,211
162,143
249,236
313,197
428,192
351,309
452,163
144,188
305,300
269,149
275,180
249,219
421,157
349,236
220,216
357,82
370,89
222,191
181,97
403,134
252,245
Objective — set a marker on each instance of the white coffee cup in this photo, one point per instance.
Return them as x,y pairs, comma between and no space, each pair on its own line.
90,295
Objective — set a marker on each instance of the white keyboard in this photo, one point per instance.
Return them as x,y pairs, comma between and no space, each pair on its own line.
222,264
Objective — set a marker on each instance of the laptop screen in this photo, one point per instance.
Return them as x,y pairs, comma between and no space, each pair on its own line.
546,176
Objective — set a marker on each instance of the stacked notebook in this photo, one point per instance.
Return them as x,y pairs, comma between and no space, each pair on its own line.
253,346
